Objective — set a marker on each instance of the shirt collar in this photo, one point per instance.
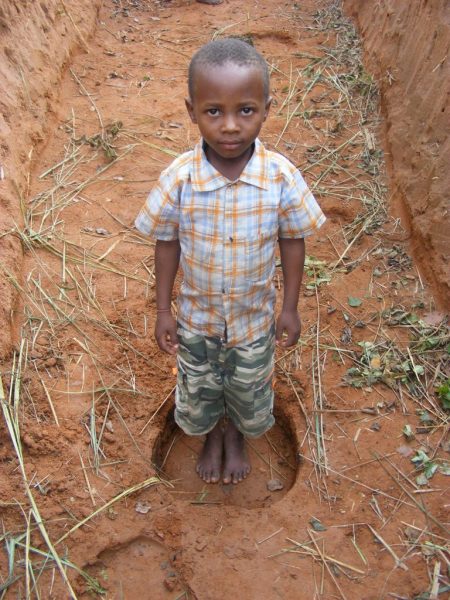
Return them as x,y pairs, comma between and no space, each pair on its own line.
206,178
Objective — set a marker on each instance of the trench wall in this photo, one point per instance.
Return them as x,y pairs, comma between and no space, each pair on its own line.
406,47
37,39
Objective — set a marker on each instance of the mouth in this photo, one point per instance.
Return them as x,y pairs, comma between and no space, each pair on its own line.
231,145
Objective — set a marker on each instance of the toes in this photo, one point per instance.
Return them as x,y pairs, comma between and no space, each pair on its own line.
226,479
237,477
208,476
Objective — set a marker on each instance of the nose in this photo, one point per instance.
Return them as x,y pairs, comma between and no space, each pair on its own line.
230,124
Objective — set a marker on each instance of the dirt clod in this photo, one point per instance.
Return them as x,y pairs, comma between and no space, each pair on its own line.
274,485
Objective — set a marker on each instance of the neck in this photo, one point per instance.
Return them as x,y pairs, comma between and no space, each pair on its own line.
231,168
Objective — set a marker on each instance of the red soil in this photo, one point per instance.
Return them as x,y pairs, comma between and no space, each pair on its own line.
88,315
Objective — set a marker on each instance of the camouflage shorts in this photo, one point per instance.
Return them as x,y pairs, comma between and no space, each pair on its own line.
214,381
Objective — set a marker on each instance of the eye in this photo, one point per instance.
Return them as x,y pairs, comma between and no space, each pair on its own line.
213,112
247,110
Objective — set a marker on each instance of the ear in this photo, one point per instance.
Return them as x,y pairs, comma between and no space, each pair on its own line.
267,107
190,109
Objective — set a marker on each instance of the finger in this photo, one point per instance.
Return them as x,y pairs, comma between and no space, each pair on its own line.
279,331
165,344
290,340
173,338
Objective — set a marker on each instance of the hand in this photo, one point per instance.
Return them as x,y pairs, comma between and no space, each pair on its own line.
288,328
166,332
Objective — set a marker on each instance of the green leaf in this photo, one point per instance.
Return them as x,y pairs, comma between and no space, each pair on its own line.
425,417
408,432
443,393
420,457
444,468
430,469
354,302
422,479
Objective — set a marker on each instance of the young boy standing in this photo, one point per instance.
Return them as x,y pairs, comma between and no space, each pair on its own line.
220,210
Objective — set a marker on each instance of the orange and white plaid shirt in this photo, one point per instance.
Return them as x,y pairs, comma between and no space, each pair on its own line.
228,232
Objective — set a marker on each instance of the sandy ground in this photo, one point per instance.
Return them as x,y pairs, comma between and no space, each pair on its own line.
88,398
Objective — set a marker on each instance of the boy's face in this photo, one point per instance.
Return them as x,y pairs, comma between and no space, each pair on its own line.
229,107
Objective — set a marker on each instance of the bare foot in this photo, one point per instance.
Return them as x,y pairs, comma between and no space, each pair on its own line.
236,466
210,460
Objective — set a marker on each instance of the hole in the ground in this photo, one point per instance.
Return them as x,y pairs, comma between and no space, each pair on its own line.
125,571
272,456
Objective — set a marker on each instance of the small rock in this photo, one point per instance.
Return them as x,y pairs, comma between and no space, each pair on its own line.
274,485
112,514
142,507
201,545
317,525
101,231
375,426
346,336
50,362
369,410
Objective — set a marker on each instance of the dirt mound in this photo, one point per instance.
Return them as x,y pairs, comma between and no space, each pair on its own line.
407,46
37,39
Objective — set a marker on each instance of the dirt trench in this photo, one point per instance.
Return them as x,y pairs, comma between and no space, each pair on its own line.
406,46
88,396
37,40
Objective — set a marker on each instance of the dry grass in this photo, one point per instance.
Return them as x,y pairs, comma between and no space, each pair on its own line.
61,301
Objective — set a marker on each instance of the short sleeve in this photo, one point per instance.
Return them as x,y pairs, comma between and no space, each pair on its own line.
159,217
300,215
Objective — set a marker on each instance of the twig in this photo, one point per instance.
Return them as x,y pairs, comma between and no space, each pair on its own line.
329,558
324,562
269,537
86,93
398,562
80,35
411,497
157,410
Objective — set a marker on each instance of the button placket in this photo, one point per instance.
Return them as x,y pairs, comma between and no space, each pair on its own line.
227,237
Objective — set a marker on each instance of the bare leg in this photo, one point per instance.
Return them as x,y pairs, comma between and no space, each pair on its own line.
236,466
210,461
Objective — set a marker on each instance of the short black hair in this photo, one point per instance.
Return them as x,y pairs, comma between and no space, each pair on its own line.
227,50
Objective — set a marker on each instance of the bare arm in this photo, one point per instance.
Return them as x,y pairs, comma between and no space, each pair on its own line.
292,252
167,258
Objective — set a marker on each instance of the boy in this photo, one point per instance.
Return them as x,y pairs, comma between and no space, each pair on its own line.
220,210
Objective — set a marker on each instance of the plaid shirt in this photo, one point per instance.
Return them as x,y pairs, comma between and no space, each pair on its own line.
228,232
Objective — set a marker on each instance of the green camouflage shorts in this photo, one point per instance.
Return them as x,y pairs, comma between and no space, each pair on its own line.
214,381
